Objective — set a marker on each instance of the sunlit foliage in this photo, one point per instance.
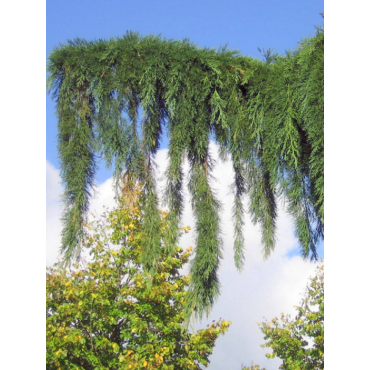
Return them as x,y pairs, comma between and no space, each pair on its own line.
299,341
107,313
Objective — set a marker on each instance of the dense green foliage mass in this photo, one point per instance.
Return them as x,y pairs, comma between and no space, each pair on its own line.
299,342
106,313
266,115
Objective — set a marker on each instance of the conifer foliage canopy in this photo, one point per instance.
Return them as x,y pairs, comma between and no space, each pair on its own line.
266,115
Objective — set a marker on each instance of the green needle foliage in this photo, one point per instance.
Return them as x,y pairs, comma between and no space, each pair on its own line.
267,115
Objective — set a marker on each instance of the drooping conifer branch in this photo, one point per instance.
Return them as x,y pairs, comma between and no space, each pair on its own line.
238,212
268,115
173,196
205,286
262,202
76,145
153,121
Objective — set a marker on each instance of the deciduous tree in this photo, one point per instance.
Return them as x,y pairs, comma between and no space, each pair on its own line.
299,342
107,313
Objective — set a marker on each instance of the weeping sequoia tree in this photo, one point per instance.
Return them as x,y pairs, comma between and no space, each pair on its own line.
116,98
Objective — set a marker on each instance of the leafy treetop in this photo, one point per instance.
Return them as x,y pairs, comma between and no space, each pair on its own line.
299,342
107,313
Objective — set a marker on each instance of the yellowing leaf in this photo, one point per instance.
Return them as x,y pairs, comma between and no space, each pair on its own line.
115,346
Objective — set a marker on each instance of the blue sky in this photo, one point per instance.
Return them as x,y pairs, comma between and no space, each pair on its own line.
265,288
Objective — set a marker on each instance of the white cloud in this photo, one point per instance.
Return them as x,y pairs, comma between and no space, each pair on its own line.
263,289
54,191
